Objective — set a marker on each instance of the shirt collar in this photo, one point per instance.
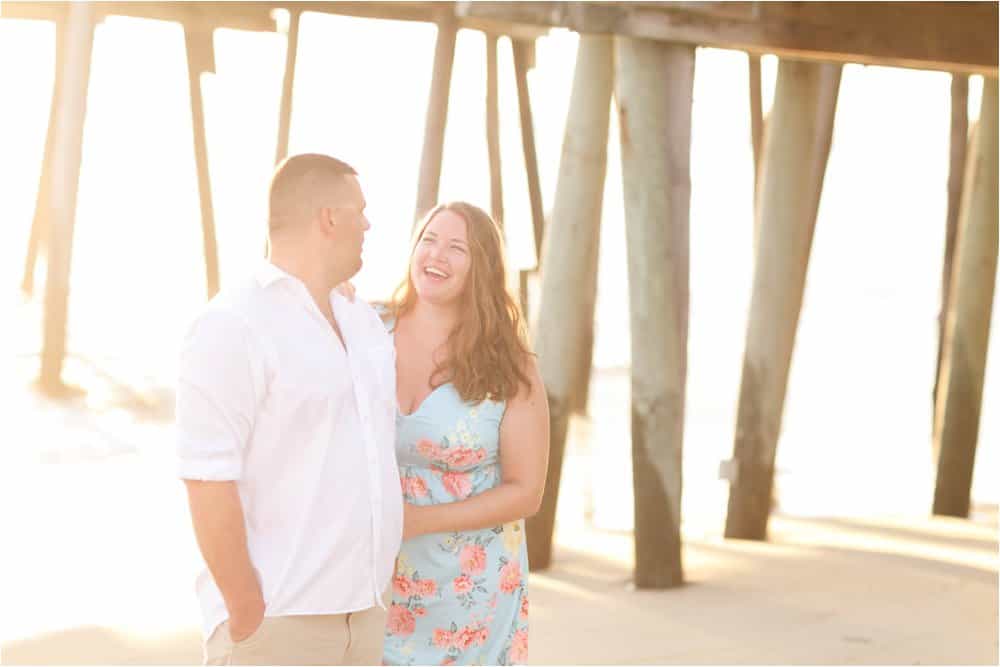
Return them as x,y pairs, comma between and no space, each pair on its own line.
268,274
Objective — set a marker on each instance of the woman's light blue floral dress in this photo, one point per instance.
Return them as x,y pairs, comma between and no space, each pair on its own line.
457,598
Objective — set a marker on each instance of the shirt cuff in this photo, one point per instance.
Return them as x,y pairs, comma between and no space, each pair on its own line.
215,468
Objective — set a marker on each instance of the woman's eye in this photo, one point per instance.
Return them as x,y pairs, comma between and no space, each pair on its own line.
458,248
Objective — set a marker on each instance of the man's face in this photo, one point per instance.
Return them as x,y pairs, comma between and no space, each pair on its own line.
348,225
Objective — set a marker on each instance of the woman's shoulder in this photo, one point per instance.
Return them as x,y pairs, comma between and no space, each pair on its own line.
531,387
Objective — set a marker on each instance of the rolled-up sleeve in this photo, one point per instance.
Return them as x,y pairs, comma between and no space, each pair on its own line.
218,388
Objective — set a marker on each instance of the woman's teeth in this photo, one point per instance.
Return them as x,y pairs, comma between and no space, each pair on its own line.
435,273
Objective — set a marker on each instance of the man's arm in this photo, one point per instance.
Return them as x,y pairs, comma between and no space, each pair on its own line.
217,515
218,392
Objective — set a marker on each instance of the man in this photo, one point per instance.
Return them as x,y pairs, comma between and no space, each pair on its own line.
285,420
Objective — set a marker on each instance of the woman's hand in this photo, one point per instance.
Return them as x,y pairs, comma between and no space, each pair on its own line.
412,515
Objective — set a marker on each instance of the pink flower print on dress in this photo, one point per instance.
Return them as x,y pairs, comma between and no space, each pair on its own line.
472,559
426,587
442,638
510,577
430,449
457,484
465,638
524,608
464,456
420,611
461,639
462,584
519,647
402,586
401,621
415,487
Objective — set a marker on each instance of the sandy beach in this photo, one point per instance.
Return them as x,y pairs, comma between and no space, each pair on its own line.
103,564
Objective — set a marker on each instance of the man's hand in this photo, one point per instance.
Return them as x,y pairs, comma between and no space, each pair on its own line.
245,618
219,526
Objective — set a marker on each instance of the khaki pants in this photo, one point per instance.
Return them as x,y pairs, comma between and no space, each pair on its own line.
334,639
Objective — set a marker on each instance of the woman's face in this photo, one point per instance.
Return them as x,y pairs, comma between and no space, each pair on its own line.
441,261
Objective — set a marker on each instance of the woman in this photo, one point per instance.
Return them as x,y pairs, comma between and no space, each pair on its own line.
472,445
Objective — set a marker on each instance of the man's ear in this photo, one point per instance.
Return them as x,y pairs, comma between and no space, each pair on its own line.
325,216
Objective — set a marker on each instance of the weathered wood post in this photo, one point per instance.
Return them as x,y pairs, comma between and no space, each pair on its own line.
41,222
493,129
585,362
654,82
956,169
968,325
757,128
756,116
493,135
66,157
796,147
437,115
524,51
575,225
287,85
201,58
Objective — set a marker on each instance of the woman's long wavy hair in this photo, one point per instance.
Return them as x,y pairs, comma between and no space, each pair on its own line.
486,351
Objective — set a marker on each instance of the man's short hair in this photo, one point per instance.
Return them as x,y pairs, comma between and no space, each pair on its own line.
301,185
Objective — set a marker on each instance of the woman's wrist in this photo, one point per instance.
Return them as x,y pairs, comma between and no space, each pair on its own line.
420,526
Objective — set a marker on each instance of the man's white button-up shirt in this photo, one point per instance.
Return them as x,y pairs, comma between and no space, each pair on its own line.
269,397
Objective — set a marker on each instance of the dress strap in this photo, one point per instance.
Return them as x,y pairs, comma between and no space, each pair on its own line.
387,319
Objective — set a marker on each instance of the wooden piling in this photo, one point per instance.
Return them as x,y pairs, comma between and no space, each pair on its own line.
654,83
756,116
574,228
956,169
287,85
66,158
523,60
41,222
796,147
437,116
968,325
201,58
585,362
522,57
493,129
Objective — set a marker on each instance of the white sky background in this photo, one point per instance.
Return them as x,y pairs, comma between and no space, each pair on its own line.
858,408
